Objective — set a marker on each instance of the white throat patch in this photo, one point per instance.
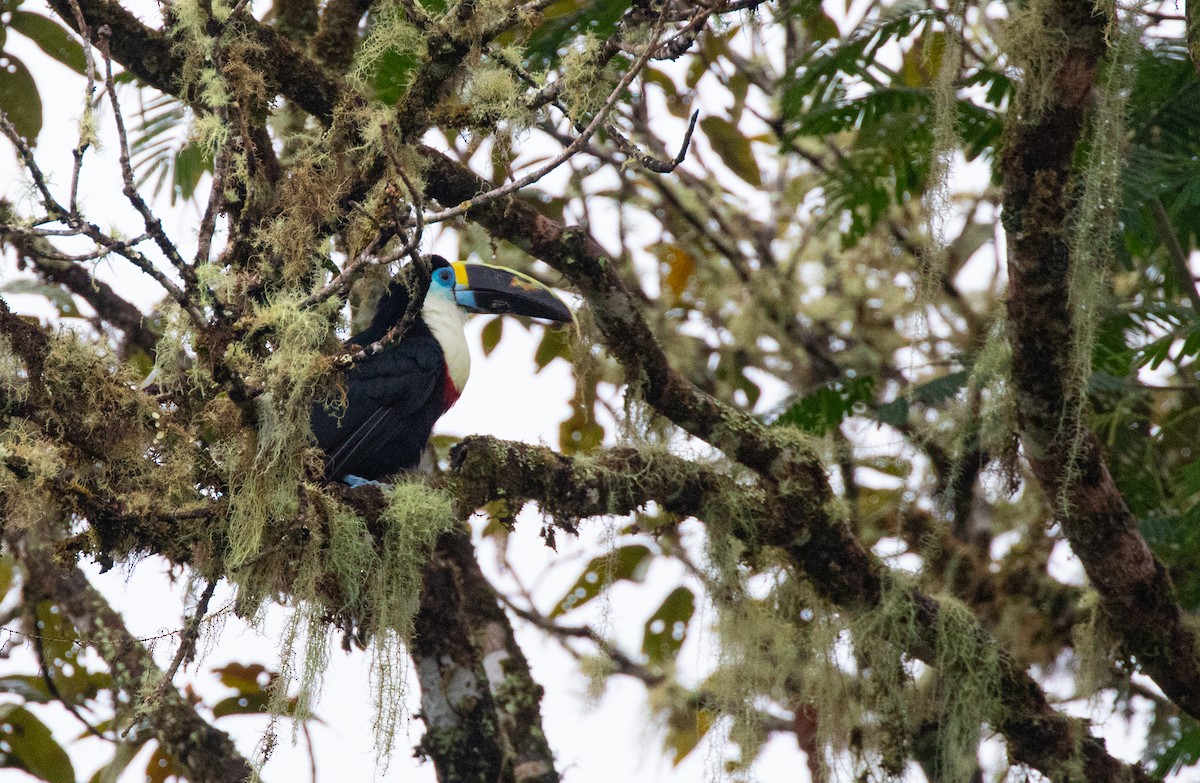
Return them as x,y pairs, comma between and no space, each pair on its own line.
445,320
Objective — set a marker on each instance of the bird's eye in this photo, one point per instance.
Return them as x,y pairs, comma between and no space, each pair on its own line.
442,276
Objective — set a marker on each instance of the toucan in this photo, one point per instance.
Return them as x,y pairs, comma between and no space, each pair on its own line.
394,397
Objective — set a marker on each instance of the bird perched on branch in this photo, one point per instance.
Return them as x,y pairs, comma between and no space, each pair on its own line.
394,397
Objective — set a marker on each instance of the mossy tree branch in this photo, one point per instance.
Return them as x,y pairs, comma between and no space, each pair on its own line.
619,481
1134,586
479,701
796,492
337,33
205,753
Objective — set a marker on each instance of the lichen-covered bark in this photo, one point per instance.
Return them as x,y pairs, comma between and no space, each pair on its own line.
796,492
479,702
619,481
337,33
1134,587
207,754
461,735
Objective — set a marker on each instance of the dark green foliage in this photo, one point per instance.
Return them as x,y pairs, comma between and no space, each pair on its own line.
162,155
1164,153
30,746
844,89
930,393
821,411
666,630
567,19
19,96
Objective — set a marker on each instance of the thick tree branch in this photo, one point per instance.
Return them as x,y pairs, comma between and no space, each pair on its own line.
337,33
206,753
478,699
797,490
618,481
1135,588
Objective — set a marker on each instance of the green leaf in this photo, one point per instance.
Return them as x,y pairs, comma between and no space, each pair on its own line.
58,296
930,393
30,687
392,73
628,562
51,37
733,148
245,704
31,746
568,19
1174,743
7,571
491,333
819,26
941,389
554,345
823,410
191,164
122,757
19,98
894,413
666,630
62,653
923,60
685,728
245,678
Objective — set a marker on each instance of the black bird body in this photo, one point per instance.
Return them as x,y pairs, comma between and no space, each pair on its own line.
394,397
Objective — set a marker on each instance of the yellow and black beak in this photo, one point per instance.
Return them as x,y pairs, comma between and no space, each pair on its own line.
483,288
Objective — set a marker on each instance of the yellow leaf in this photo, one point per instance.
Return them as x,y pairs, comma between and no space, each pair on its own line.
680,266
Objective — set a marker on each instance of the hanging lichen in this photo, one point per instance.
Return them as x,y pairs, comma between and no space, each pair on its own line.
415,516
1037,48
968,689
878,636
941,156
265,468
1095,223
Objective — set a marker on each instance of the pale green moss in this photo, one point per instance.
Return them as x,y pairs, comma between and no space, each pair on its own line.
968,693
264,478
416,515
584,86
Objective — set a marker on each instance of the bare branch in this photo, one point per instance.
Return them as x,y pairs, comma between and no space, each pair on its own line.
154,226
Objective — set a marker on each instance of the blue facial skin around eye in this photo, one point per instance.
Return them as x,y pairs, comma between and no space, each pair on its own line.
443,282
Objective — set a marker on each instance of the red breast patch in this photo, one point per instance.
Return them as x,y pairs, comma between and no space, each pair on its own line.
450,394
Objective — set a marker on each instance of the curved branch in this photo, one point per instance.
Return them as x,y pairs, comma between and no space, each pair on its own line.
620,480
206,753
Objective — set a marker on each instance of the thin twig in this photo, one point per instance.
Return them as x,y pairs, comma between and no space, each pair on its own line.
89,101
39,179
80,226
648,161
397,332
208,223
153,225
191,632
625,663
572,149
44,669
1175,253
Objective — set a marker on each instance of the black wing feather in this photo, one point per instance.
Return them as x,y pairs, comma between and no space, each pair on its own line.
393,399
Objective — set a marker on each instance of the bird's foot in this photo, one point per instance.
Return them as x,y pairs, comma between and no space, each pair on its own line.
358,481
